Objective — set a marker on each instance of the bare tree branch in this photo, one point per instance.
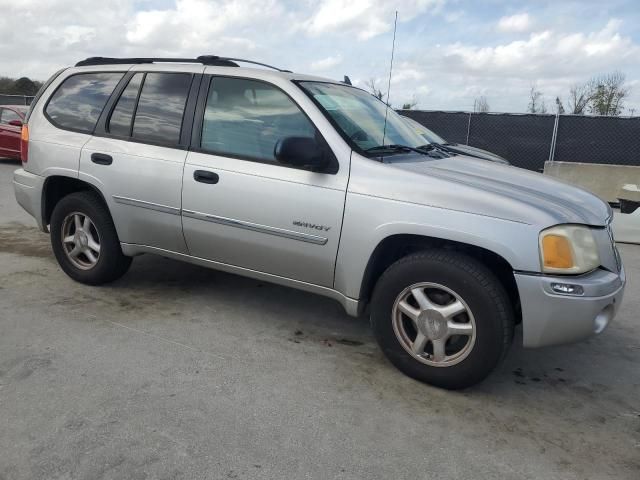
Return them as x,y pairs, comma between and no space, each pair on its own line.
411,103
536,102
609,93
580,94
481,104
372,85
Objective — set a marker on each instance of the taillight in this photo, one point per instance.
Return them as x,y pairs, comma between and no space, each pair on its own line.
24,144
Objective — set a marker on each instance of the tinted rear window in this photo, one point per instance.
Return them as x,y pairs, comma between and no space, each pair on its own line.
78,102
161,107
121,118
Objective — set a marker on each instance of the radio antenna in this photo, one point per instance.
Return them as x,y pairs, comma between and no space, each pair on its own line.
393,49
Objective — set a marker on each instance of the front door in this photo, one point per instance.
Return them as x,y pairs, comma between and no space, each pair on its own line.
241,207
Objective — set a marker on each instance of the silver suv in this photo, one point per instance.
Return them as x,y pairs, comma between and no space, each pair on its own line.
315,184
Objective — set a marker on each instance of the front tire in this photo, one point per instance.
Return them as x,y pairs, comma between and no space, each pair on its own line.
84,240
442,317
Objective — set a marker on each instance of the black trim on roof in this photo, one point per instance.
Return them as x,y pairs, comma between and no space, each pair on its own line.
209,60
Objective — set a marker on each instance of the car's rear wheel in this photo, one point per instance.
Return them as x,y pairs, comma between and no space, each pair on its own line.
442,317
84,240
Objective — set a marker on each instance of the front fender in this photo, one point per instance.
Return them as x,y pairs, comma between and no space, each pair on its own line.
369,220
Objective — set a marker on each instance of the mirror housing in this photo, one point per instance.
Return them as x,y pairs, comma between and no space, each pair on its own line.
16,123
301,152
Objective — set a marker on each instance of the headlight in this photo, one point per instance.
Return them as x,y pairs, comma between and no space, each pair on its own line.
568,249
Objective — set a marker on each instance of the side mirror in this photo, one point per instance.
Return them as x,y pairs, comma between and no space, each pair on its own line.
15,123
303,152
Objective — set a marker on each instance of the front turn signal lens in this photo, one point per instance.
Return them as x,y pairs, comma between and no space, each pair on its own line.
556,252
568,249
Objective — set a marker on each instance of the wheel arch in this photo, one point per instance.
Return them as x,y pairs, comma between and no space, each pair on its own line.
56,187
393,247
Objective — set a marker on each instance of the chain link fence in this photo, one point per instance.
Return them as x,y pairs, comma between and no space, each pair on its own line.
529,140
15,99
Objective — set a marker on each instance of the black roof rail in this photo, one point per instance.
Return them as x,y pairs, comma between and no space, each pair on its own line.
204,59
255,63
210,60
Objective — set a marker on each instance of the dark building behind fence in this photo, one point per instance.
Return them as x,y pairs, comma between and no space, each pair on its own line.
529,140
15,99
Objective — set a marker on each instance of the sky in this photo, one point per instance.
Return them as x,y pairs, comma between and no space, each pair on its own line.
448,52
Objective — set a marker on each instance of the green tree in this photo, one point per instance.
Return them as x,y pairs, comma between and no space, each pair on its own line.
6,84
21,86
25,86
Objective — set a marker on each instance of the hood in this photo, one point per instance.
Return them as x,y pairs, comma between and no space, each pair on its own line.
474,152
487,188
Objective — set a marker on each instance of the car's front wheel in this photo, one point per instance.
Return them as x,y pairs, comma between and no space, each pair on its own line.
442,317
84,240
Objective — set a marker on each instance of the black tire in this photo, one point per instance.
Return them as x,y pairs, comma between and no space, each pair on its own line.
481,291
111,263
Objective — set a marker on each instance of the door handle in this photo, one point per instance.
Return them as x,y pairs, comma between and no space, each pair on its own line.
101,159
204,176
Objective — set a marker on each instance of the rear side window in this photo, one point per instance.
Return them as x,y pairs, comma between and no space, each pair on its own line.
78,102
158,117
246,118
7,115
122,117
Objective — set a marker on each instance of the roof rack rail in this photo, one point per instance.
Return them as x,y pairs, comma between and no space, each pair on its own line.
254,63
209,60
204,59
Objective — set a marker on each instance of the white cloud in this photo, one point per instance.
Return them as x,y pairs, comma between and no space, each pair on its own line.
194,25
454,16
445,67
407,72
364,18
520,22
38,37
326,63
547,54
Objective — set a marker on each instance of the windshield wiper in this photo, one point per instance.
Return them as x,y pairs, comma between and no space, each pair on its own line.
397,148
433,147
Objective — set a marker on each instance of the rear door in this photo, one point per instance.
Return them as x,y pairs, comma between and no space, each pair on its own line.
138,151
241,207
9,134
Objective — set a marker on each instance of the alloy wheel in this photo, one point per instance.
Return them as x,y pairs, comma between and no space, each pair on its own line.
434,324
81,240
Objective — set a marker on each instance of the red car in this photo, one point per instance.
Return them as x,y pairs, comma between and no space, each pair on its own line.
11,118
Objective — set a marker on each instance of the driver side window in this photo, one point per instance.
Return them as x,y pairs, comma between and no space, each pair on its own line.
245,119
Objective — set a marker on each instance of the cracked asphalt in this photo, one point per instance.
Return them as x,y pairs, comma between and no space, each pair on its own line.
178,372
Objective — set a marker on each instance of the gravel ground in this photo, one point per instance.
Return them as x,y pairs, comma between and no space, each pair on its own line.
176,371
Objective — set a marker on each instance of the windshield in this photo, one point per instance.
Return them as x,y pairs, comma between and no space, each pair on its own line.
424,132
360,116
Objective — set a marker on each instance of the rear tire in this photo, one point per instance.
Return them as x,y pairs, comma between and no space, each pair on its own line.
442,317
84,240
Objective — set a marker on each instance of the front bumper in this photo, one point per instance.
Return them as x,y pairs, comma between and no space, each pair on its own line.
549,318
28,191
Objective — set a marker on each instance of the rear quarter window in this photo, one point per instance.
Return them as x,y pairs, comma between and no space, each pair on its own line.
158,117
79,100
